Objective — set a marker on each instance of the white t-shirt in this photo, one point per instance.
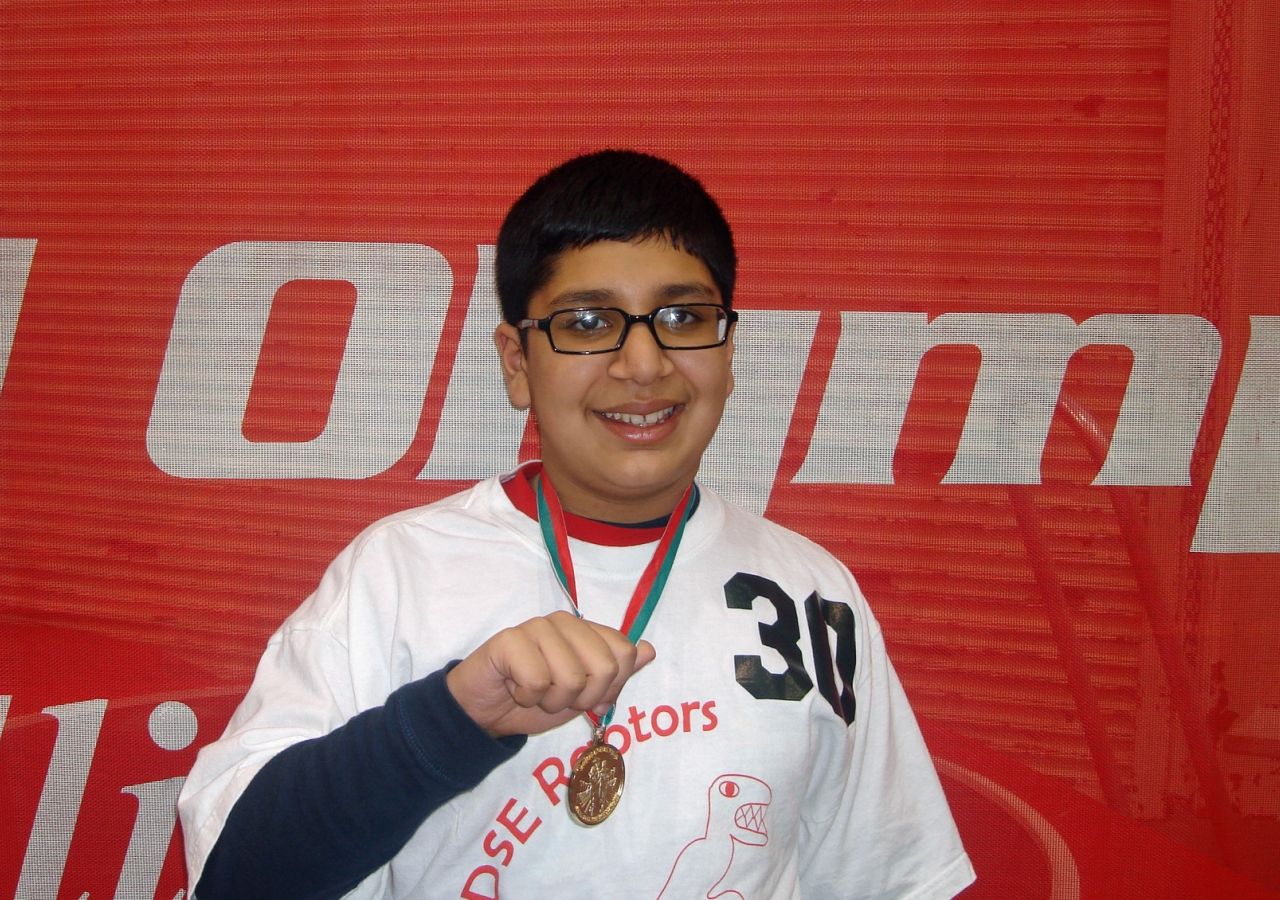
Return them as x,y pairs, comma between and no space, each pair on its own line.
742,778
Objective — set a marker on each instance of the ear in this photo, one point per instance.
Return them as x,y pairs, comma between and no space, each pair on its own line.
507,339
729,347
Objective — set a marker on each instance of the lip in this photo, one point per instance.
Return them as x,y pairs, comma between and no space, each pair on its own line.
623,421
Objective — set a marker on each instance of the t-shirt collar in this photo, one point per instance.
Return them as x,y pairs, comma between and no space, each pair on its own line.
519,490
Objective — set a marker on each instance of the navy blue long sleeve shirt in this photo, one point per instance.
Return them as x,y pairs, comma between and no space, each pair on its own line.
325,813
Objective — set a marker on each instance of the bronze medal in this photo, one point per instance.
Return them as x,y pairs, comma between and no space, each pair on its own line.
595,786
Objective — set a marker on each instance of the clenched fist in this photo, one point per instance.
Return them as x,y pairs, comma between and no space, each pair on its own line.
543,672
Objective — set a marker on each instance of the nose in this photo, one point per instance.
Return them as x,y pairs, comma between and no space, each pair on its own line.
640,359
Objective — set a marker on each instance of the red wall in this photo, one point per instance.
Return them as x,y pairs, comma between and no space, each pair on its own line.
1057,482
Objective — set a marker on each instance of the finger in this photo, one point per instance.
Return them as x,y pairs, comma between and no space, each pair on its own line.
518,657
630,658
597,655
645,654
640,656
561,644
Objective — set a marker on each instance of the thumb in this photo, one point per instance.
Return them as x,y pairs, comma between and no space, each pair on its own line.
645,654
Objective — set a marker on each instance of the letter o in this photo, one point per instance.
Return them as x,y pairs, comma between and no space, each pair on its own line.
668,711
402,294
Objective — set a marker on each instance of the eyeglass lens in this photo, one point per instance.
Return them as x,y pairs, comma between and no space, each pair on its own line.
687,326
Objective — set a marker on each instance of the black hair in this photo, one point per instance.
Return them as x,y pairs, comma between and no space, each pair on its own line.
611,195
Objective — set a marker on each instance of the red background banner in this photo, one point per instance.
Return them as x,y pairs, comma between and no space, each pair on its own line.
1010,349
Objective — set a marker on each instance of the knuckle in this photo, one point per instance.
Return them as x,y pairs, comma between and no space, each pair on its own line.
513,633
534,626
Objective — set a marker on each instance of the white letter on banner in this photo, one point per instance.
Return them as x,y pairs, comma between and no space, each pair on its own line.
149,841
15,265
771,350
866,398
479,432
1024,359
1241,511
1174,360
172,726
46,856
402,293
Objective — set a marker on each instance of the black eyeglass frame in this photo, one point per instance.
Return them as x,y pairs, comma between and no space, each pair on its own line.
544,325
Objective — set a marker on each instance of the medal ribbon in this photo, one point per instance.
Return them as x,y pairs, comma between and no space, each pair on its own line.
644,599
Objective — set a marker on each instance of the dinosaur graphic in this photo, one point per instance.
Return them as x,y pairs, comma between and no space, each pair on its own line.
736,807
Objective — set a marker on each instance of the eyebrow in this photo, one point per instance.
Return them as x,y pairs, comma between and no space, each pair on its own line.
604,296
570,299
686,289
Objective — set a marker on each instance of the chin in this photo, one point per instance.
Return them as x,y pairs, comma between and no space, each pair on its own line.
643,480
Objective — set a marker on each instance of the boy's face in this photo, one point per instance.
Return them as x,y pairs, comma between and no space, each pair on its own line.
603,466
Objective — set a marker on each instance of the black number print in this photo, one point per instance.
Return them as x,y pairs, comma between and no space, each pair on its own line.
740,592
834,672
822,614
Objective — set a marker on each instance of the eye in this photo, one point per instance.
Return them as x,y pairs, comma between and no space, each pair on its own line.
729,788
682,318
584,322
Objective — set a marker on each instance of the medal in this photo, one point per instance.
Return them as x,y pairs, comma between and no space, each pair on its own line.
595,785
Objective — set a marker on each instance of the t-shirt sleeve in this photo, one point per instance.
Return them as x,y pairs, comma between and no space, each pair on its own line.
875,823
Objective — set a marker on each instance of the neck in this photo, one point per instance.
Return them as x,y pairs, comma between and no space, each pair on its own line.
623,511
520,491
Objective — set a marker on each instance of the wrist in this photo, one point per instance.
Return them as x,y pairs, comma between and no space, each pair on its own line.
455,680
446,737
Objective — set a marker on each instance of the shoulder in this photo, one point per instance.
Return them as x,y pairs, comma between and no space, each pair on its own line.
745,533
480,507
404,546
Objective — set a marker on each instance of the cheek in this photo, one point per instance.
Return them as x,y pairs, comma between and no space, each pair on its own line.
560,383
714,381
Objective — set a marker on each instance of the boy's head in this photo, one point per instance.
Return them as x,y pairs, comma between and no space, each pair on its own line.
615,272
611,195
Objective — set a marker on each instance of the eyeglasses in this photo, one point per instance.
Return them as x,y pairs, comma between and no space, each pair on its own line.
603,329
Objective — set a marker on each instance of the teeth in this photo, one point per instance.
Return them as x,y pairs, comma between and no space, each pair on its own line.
751,817
652,418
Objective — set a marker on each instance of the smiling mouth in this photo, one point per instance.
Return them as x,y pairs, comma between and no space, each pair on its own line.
634,419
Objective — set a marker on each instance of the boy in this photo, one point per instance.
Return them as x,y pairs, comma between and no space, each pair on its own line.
760,761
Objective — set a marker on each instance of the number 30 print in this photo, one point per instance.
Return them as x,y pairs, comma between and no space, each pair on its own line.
741,591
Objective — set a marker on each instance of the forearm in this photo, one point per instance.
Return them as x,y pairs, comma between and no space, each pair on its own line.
324,814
